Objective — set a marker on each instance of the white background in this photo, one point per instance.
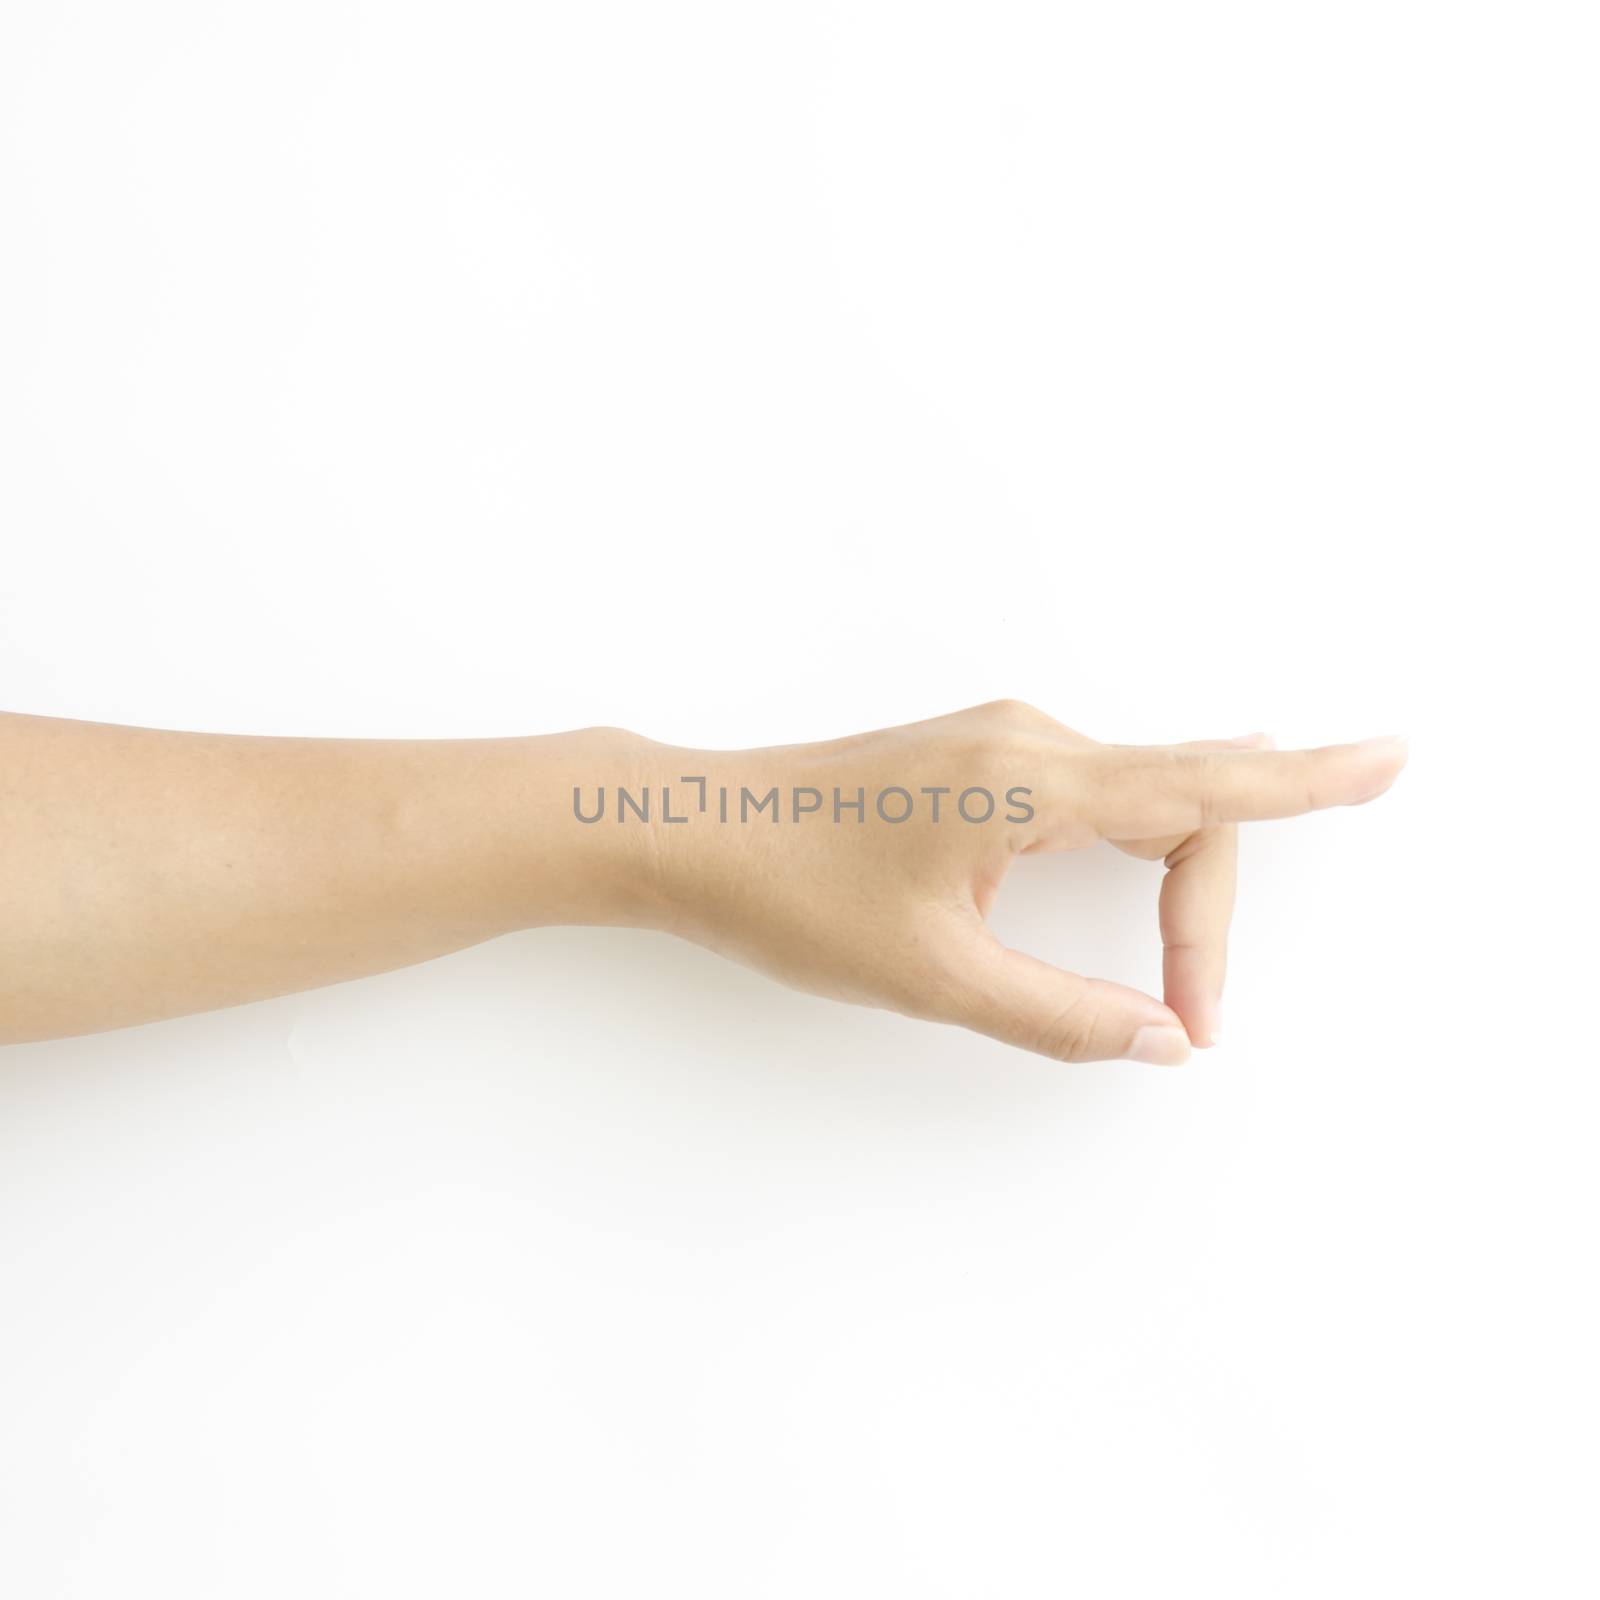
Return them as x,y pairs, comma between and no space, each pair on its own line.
749,373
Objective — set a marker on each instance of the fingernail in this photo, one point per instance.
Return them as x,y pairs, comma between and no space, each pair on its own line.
1385,749
1254,741
1216,1026
1159,1046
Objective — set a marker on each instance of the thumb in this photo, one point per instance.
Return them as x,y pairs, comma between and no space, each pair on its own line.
1023,1001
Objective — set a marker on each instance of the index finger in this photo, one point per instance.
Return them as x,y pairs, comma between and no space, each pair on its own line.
1139,792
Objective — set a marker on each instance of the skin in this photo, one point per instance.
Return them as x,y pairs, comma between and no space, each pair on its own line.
146,874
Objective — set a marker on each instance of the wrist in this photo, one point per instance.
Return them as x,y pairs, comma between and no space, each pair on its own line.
568,869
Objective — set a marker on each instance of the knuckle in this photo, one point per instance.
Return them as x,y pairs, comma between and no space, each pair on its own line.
1015,713
1069,1035
1311,792
1194,778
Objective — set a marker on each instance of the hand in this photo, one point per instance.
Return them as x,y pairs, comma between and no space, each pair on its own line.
892,913
150,873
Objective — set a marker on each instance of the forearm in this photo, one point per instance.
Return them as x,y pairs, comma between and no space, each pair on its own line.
146,874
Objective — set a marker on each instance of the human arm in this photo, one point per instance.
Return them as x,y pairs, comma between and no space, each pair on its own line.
149,873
